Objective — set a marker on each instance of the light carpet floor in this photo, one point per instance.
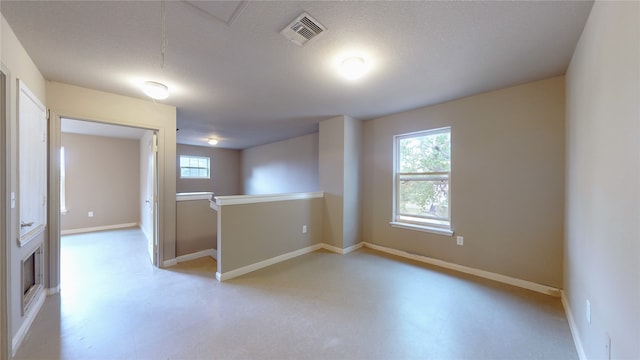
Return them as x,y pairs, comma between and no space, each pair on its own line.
364,305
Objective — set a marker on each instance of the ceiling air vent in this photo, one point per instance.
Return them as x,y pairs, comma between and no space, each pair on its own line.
302,29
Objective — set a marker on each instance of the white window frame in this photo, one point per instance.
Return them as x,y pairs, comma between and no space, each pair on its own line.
208,176
434,224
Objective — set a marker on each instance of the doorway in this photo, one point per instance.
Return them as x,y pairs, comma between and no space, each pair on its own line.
108,179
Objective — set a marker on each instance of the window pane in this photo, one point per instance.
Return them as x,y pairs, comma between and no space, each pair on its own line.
184,161
194,167
424,198
427,153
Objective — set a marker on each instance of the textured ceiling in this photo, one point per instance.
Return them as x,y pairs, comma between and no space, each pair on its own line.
233,76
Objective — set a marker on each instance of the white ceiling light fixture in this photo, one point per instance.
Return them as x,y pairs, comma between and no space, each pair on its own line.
155,90
212,141
353,67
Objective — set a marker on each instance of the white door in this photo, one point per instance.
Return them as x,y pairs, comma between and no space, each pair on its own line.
149,191
32,165
152,186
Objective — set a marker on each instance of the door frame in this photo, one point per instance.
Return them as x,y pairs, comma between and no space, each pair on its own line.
5,234
55,132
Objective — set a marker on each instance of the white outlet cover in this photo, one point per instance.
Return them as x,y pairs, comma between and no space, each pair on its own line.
460,240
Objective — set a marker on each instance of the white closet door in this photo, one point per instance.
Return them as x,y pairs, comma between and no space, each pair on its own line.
32,158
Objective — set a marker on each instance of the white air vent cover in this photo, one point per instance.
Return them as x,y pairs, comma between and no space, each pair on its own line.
302,29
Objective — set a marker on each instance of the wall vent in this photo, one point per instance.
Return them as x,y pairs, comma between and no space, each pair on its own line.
303,29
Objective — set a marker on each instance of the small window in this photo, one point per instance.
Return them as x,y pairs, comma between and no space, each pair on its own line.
422,181
194,167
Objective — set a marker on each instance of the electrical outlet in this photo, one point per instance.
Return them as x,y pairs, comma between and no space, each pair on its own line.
304,229
588,311
460,240
90,213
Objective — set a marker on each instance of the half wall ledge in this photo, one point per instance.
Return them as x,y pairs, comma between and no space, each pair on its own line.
256,230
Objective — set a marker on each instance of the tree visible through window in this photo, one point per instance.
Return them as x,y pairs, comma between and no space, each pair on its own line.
422,178
194,167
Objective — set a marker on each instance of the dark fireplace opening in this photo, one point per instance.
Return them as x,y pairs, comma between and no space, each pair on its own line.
29,274
31,278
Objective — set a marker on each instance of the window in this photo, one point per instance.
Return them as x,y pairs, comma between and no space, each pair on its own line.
422,181
194,167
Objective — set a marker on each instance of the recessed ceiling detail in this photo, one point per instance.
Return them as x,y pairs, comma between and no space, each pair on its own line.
303,29
224,11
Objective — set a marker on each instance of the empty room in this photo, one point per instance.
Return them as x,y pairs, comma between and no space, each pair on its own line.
320,180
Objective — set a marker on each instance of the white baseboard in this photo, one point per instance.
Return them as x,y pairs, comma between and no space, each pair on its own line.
28,320
197,255
53,291
573,326
344,251
262,264
98,228
169,263
469,270
544,289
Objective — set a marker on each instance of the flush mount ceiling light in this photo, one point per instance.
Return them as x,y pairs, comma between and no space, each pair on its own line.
155,90
353,67
212,141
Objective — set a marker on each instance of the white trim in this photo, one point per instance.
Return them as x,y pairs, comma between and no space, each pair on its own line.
170,262
53,291
196,255
213,205
262,264
194,196
469,270
251,199
424,228
573,326
28,320
98,228
341,251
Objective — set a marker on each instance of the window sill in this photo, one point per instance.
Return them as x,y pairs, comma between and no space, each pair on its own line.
424,228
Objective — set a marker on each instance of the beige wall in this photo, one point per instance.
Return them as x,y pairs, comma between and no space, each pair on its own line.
86,104
602,250
507,182
281,167
331,178
17,64
102,176
196,227
352,182
250,233
340,179
225,171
